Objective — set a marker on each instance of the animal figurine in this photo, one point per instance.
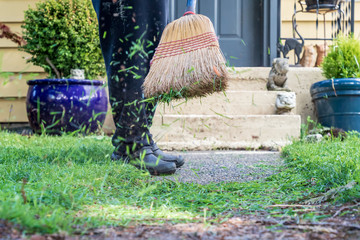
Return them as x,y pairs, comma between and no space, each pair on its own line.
292,44
309,56
277,76
285,102
321,53
77,74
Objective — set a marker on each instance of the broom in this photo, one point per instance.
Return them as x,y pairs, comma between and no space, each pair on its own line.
188,61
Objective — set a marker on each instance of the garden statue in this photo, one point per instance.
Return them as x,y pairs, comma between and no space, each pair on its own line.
317,137
309,56
77,74
285,102
277,80
292,44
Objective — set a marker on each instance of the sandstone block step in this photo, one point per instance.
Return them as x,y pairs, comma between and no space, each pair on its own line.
228,103
205,132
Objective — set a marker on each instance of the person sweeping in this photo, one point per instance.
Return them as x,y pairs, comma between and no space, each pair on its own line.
129,32
187,61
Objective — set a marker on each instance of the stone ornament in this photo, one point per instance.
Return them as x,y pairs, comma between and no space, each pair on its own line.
314,137
285,102
309,56
78,74
292,44
277,80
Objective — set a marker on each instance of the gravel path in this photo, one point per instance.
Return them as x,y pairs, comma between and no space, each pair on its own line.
226,166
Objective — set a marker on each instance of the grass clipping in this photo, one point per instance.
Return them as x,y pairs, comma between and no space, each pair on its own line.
188,61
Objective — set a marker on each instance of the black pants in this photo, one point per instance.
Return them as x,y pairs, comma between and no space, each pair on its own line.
129,32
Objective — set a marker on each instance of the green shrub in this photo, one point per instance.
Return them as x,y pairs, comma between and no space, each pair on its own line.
343,59
63,33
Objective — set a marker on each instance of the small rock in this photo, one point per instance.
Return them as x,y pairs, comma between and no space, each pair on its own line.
314,138
37,237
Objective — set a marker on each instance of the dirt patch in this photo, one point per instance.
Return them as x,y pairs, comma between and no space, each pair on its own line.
244,227
259,225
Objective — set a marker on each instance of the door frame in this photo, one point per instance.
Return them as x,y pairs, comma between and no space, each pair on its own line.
271,30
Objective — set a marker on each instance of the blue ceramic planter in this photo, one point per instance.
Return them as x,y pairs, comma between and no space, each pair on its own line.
66,105
337,103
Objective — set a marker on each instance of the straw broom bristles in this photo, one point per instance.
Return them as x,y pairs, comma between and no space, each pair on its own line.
188,60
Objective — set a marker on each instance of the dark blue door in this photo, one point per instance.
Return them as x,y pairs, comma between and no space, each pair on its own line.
238,24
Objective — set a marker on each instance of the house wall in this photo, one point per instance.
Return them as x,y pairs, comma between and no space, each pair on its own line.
13,89
307,24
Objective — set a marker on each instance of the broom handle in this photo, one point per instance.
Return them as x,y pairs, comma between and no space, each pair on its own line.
190,7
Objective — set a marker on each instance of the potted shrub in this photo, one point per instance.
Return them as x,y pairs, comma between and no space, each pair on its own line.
62,35
337,100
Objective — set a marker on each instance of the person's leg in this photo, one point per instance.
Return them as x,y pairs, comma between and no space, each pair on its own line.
129,31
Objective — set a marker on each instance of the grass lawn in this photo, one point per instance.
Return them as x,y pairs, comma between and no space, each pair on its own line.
56,184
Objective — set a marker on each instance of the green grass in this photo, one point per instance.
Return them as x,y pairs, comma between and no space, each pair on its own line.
72,185
330,163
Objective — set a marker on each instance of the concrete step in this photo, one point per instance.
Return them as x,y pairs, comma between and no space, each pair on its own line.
255,79
243,118
300,80
248,79
204,132
228,103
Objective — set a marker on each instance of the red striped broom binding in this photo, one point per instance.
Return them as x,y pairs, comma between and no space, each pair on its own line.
188,61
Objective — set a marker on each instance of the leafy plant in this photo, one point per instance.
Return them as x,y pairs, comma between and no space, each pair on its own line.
63,35
343,60
5,32
311,127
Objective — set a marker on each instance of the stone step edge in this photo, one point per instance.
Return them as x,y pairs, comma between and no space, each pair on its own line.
178,140
203,145
226,116
110,127
235,91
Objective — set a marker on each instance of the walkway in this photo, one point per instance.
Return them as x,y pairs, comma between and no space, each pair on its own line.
226,166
